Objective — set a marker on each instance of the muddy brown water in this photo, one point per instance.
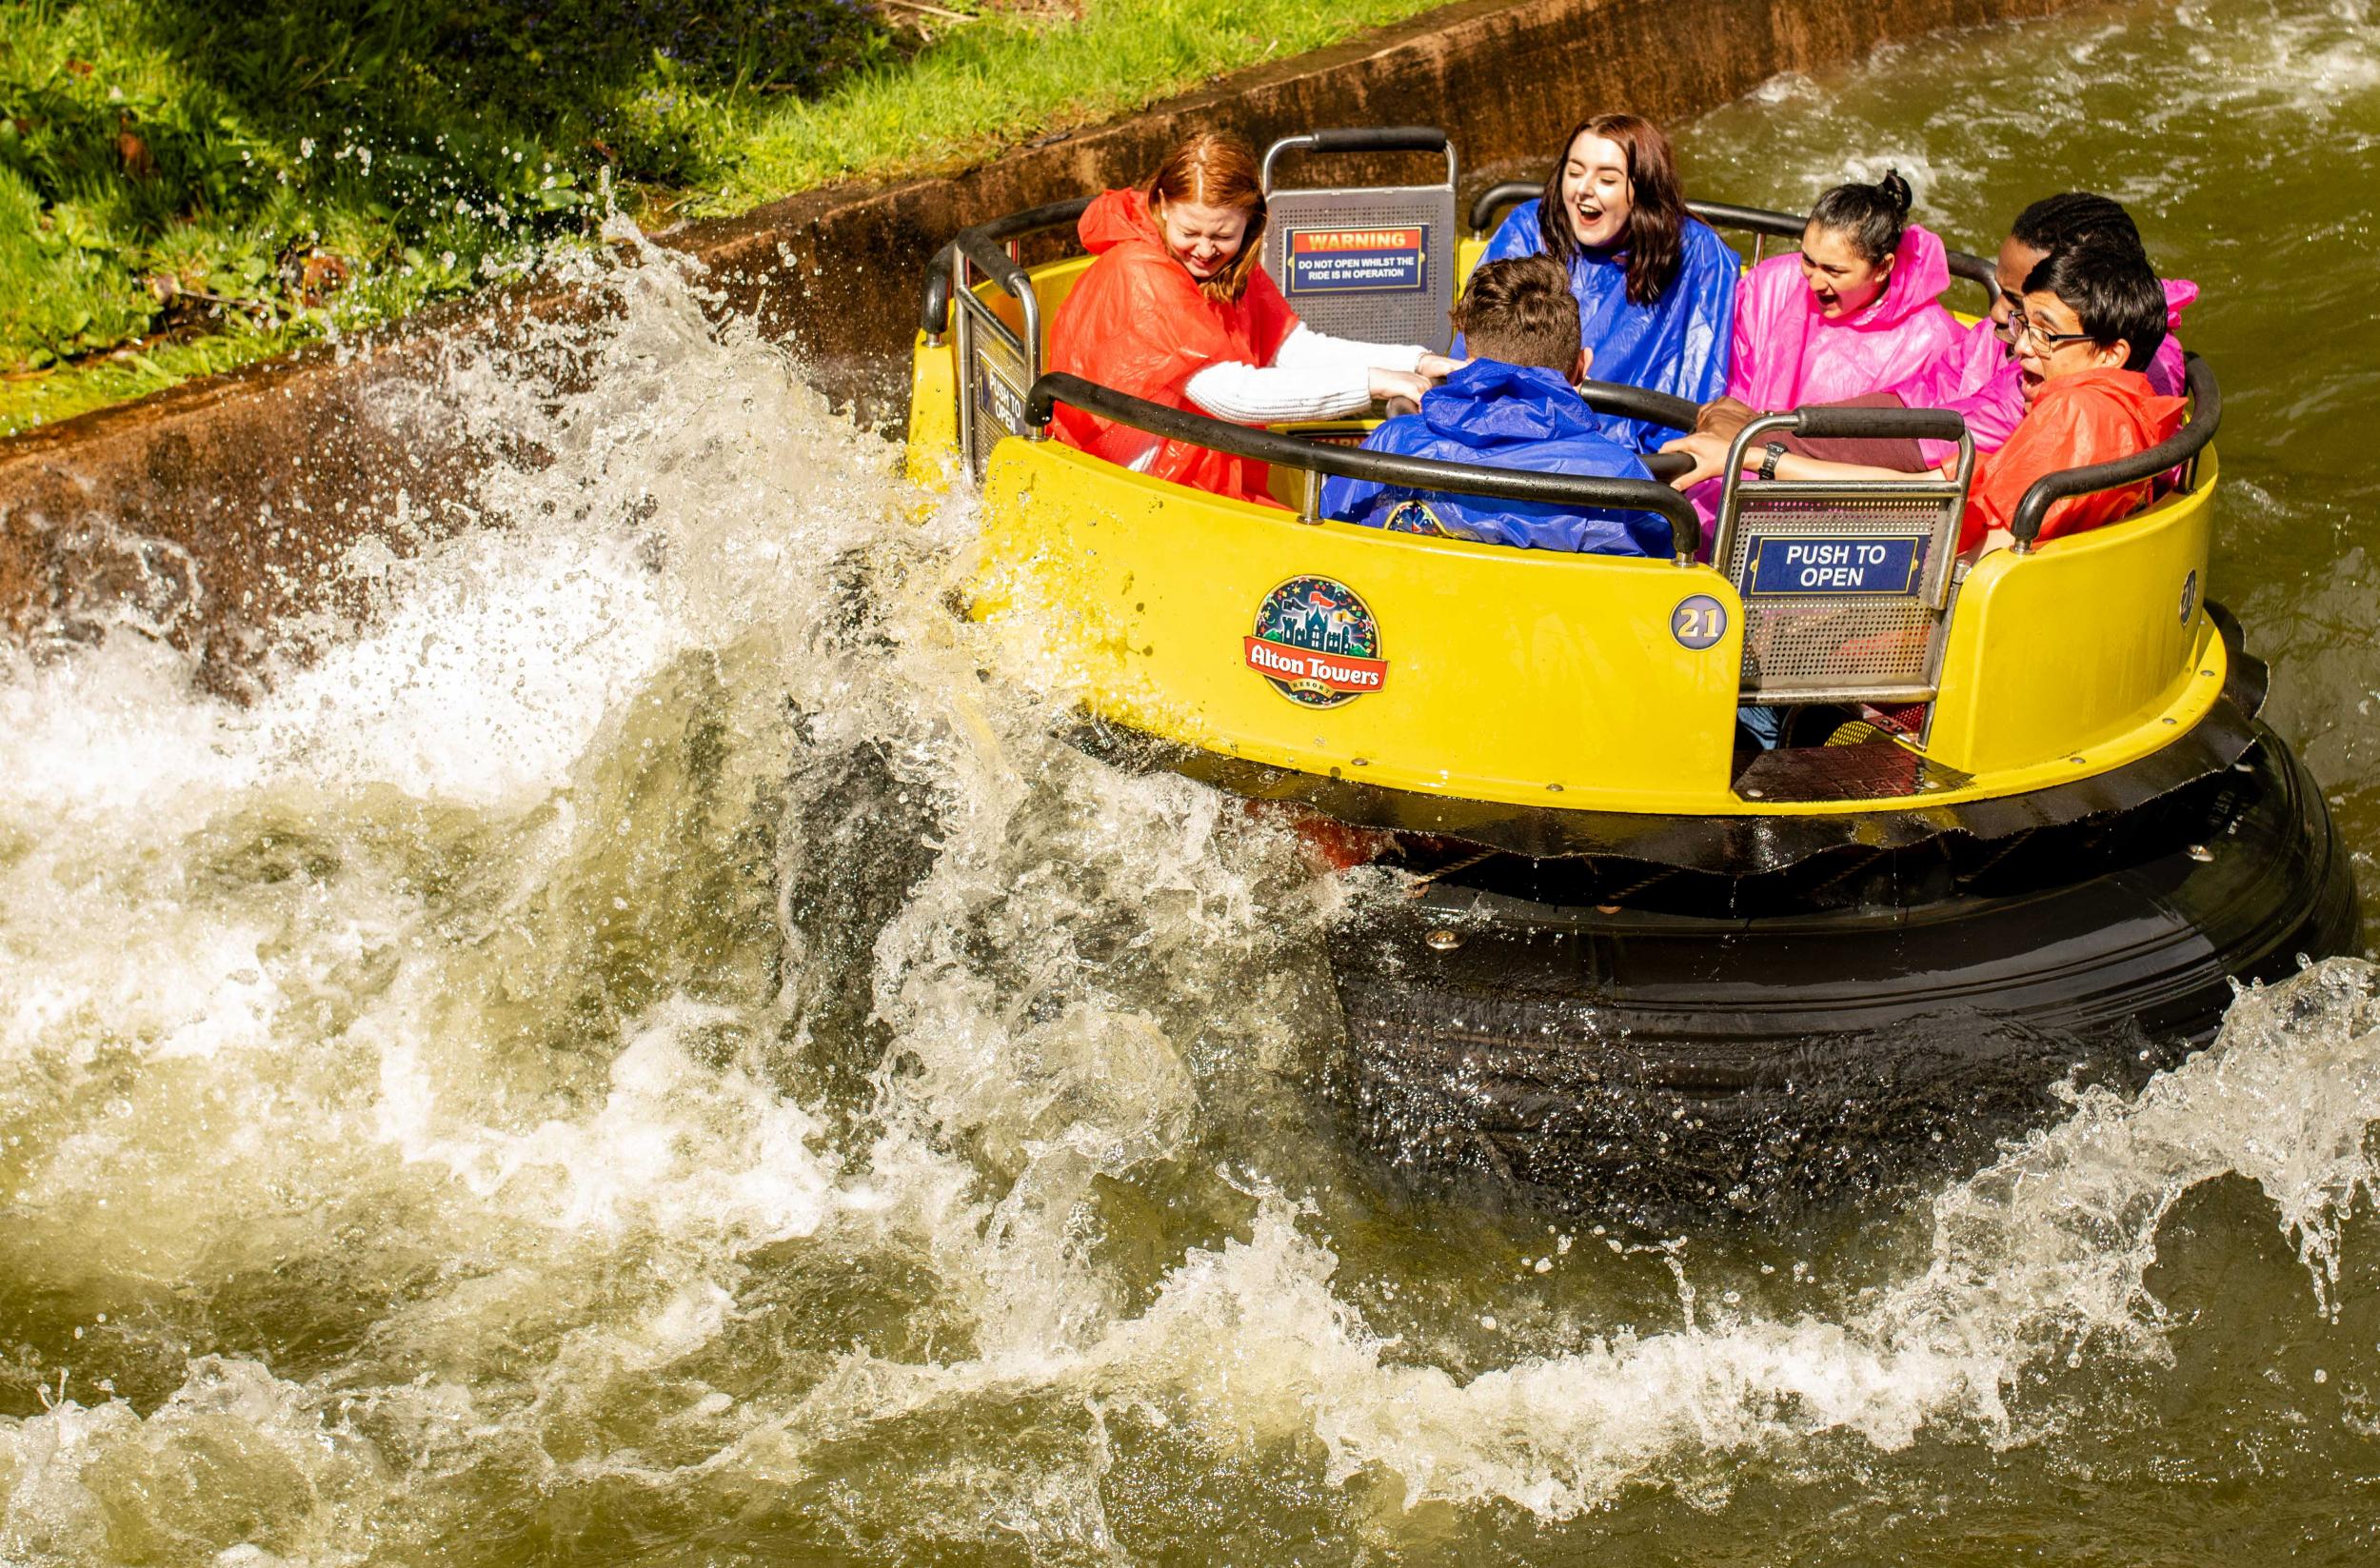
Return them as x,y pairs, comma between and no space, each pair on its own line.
638,1054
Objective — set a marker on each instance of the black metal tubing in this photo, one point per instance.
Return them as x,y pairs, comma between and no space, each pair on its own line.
1759,219
934,311
1617,397
1419,473
2206,412
1370,139
993,261
1498,196
1830,423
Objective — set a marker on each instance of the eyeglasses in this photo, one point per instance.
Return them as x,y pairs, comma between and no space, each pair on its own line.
2020,326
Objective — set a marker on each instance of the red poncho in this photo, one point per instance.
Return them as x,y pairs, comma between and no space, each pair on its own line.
1137,322
2095,416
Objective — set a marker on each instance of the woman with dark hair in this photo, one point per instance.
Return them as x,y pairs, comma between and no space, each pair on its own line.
1178,310
1655,287
1857,311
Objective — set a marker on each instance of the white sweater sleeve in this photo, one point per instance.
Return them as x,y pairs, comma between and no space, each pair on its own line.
1305,346
1312,377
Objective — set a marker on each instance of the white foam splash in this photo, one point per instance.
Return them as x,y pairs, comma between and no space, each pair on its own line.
429,990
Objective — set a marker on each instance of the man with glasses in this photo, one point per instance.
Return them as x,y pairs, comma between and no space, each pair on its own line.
2086,330
1978,379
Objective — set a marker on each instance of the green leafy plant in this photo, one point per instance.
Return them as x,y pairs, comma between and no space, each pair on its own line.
186,188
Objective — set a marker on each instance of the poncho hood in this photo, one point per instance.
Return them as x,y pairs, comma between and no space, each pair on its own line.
2093,416
1921,270
1787,354
1118,217
2116,401
1487,402
1503,416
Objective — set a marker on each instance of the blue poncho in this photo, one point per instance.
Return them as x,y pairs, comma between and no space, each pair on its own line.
1677,345
1502,416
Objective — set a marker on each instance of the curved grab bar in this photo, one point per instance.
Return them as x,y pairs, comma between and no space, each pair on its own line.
1619,397
1503,193
934,310
1827,423
1361,139
1419,473
2183,445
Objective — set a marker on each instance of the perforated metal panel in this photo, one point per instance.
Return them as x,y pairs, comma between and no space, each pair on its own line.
1845,587
1827,641
998,380
1375,264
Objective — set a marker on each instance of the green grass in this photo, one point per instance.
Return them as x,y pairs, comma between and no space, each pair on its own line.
187,187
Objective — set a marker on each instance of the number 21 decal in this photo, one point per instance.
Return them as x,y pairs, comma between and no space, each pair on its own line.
1698,621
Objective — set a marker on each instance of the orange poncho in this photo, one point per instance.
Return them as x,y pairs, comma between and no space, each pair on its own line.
1137,322
2095,416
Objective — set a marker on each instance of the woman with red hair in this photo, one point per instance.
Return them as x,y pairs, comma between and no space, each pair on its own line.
1178,310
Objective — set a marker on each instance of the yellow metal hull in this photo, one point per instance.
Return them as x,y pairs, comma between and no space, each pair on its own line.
1536,679
1528,678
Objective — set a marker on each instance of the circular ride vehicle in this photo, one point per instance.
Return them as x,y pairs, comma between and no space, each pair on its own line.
1640,965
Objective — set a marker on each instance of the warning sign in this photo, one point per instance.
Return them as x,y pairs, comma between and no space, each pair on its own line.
1323,261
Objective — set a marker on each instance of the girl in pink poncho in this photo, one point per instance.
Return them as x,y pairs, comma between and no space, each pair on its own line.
1857,311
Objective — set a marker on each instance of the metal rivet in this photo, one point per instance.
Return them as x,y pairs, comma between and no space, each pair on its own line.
1752,794
2170,719
1366,761
2200,853
1444,940
2205,672
2075,760
1607,908
1556,788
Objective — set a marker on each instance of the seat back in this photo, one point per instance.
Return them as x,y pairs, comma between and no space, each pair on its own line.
1846,584
1370,262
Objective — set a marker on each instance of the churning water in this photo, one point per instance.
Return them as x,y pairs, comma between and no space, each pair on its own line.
645,1050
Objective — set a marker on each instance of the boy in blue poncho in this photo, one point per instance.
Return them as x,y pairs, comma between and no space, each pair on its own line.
1514,405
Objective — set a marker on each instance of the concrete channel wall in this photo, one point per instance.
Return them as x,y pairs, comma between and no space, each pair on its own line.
215,506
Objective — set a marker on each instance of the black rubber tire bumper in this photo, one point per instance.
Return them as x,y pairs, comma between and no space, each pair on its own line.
1622,1061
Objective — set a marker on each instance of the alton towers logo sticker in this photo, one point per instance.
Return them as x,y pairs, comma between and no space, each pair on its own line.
1316,643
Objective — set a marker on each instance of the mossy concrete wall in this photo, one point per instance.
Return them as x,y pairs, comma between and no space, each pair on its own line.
235,493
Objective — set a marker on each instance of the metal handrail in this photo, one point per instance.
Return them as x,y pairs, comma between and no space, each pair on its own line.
934,310
2180,449
1825,422
979,248
1419,473
1757,220
1362,139
1641,403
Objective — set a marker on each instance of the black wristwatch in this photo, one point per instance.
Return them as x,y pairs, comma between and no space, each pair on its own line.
1768,463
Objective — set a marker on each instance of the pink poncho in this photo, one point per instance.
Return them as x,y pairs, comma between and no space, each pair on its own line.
1980,380
1788,355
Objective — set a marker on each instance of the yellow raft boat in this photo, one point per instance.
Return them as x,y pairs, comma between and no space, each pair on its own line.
1638,963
